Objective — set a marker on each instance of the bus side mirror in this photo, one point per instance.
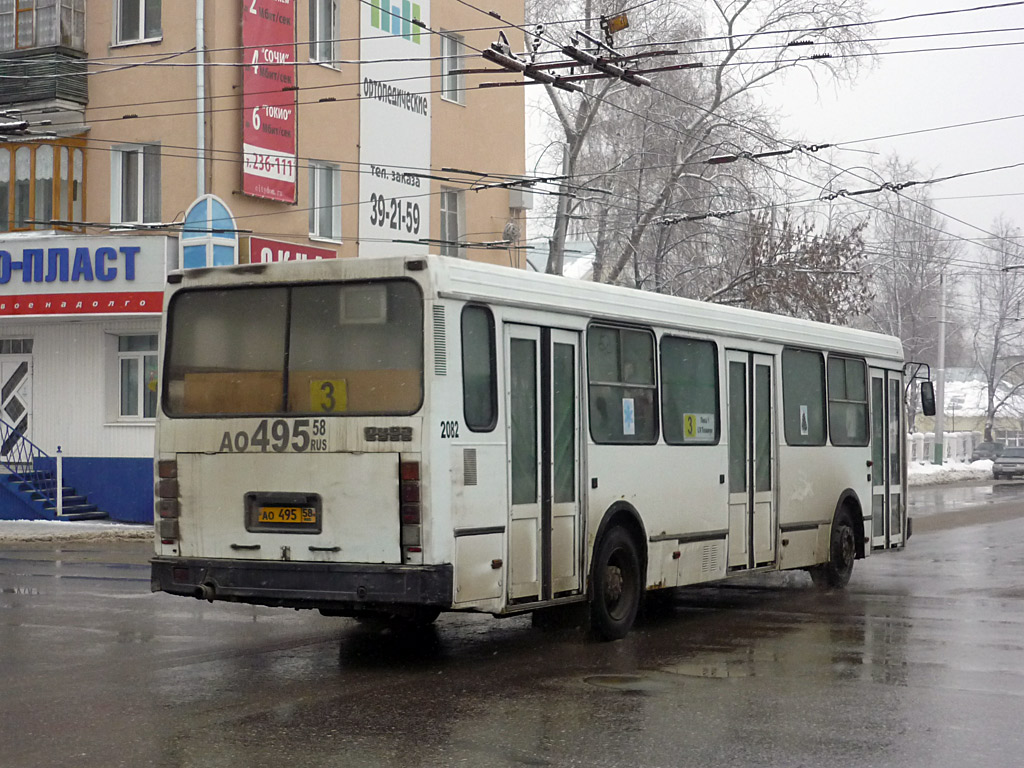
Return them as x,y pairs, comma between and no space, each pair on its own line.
927,398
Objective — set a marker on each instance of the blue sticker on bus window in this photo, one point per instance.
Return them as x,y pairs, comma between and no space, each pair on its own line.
628,416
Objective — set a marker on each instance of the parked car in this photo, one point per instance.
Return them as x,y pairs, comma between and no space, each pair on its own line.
1008,463
986,451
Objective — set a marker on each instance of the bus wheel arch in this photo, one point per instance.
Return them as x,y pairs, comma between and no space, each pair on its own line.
618,572
846,544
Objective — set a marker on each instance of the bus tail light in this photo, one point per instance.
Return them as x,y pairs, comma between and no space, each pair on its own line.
168,507
409,511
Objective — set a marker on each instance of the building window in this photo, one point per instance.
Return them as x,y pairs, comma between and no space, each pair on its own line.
42,24
209,237
452,217
620,364
15,346
136,364
138,20
135,184
41,186
324,201
452,50
323,31
803,397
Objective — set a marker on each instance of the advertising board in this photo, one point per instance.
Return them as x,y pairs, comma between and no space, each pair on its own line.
269,157
394,128
83,275
263,250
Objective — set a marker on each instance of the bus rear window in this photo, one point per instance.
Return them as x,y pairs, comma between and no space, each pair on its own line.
348,349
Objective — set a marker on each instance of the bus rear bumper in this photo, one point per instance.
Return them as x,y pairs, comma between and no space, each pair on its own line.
332,586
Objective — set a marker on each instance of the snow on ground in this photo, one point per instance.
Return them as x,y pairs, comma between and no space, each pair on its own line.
60,530
51,530
950,472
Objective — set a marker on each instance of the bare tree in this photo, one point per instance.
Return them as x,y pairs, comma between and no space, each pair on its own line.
910,251
999,339
684,118
791,269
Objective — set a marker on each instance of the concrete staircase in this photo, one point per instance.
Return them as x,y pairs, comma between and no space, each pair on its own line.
32,496
28,482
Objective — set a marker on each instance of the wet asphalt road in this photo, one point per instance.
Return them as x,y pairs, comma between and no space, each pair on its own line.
920,662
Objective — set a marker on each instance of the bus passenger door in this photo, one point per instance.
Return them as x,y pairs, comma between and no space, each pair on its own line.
886,460
544,539
751,420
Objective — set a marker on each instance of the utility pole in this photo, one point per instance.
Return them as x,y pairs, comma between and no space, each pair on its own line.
940,374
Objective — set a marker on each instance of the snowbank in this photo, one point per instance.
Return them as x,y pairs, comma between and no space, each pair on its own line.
950,472
53,530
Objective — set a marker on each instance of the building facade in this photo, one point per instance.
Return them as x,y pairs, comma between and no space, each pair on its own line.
325,128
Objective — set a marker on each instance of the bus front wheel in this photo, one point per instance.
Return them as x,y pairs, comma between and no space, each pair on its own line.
842,551
617,585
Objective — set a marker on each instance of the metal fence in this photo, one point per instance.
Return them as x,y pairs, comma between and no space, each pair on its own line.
957,446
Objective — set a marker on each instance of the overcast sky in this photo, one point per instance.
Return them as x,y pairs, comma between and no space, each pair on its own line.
914,91
906,92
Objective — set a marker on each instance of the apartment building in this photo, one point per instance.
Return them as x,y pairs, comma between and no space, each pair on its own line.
281,129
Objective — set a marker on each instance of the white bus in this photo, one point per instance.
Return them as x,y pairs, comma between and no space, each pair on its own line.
399,437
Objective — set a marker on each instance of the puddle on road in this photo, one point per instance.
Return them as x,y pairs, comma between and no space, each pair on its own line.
626,683
928,500
712,669
20,591
659,680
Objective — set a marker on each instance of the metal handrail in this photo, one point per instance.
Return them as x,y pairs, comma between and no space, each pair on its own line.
20,457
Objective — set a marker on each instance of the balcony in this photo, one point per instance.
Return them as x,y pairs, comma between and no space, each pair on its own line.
43,74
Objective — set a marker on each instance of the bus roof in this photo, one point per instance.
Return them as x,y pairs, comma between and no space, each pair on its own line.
483,282
489,283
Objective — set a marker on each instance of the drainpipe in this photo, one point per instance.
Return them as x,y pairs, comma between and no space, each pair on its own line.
200,98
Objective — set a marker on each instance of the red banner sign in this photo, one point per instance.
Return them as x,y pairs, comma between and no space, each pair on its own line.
269,165
262,251
82,303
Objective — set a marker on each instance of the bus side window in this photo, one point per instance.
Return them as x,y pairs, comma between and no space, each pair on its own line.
479,369
803,396
847,401
689,391
623,394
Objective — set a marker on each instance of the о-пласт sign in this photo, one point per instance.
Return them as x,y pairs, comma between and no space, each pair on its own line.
83,275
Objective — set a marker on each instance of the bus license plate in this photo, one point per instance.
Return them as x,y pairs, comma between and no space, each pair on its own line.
287,515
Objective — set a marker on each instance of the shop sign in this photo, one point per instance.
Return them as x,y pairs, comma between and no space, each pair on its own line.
74,276
263,251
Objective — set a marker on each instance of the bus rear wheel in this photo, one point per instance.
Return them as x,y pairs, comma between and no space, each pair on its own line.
842,551
617,585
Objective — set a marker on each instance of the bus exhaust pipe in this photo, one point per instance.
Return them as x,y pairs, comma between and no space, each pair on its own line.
206,591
